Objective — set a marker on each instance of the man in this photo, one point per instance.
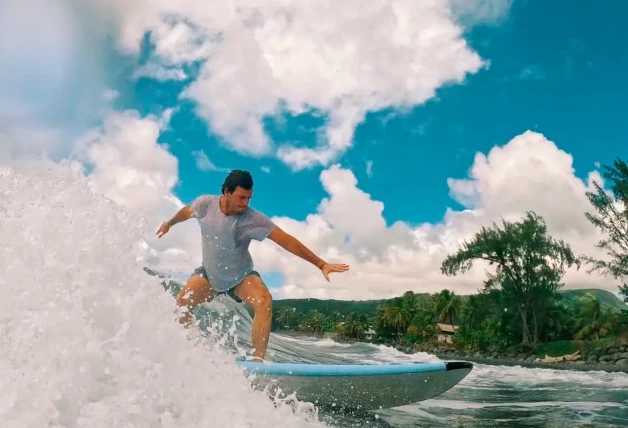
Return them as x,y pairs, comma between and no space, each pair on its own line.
227,226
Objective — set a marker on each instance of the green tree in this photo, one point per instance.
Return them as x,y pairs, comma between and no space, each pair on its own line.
314,322
392,319
612,220
592,322
396,316
286,318
355,326
527,260
446,305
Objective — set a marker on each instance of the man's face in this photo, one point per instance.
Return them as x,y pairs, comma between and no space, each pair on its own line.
238,200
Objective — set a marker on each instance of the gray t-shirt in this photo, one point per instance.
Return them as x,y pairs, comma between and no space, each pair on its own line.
226,239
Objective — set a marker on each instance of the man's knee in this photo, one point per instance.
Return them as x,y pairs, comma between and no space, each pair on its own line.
256,293
266,299
196,291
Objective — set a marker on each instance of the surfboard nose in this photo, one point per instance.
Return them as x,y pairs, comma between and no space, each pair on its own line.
457,365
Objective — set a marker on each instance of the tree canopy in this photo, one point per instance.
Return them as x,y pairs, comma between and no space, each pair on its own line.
612,220
529,265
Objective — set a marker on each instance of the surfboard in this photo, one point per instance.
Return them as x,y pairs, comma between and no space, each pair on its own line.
361,387
357,386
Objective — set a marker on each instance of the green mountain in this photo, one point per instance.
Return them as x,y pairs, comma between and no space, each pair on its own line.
369,307
606,298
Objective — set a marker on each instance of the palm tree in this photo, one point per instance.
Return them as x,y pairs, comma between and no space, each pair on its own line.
395,316
314,322
286,318
355,326
447,305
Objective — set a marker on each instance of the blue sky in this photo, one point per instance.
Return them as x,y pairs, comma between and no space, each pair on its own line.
433,99
552,69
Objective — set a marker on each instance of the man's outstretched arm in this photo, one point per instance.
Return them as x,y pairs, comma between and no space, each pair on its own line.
183,214
293,245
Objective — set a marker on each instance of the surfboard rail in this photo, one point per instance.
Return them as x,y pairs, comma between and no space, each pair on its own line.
357,386
307,369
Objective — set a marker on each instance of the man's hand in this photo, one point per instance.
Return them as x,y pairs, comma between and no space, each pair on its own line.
328,268
183,214
163,229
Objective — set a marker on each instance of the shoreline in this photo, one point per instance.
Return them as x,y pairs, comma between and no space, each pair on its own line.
611,359
615,361
516,362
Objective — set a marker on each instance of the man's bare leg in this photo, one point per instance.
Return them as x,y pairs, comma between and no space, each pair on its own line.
253,291
196,291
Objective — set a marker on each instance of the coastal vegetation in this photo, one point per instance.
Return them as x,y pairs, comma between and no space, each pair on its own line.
522,303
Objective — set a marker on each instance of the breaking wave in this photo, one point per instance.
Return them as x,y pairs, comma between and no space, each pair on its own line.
87,338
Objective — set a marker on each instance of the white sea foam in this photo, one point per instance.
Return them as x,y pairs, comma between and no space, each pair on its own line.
535,378
87,339
466,405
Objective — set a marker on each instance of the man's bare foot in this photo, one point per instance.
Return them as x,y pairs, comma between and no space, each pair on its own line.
253,359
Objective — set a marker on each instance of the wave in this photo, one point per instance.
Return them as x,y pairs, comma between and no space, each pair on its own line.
87,339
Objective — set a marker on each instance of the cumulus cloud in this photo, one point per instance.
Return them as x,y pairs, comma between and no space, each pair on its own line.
128,164
480,12
528,173
342,60
204,163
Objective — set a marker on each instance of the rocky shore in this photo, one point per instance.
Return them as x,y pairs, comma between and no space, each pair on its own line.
610,358
613,358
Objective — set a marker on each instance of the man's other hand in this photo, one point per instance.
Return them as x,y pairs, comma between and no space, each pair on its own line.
163,229
328,268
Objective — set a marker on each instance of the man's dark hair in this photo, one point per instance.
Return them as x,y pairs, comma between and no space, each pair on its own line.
237,178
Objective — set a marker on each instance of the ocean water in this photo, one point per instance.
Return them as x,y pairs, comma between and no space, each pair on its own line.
490,396
88,339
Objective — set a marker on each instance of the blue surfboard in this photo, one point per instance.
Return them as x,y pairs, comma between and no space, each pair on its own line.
357,386
351,386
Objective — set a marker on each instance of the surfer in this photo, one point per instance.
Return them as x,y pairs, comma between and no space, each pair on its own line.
228,224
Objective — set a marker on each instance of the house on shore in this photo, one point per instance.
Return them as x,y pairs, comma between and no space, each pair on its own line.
445,332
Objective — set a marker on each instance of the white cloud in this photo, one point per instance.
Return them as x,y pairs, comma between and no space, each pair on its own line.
341,59
478,12
203,163
159,72
528,173
128,165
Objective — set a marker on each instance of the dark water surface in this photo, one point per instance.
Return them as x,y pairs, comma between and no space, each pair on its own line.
490,396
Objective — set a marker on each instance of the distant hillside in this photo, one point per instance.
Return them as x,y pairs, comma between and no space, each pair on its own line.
341,307
369,307
606,298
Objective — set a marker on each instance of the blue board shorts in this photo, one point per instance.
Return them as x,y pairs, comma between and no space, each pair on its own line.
231,293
